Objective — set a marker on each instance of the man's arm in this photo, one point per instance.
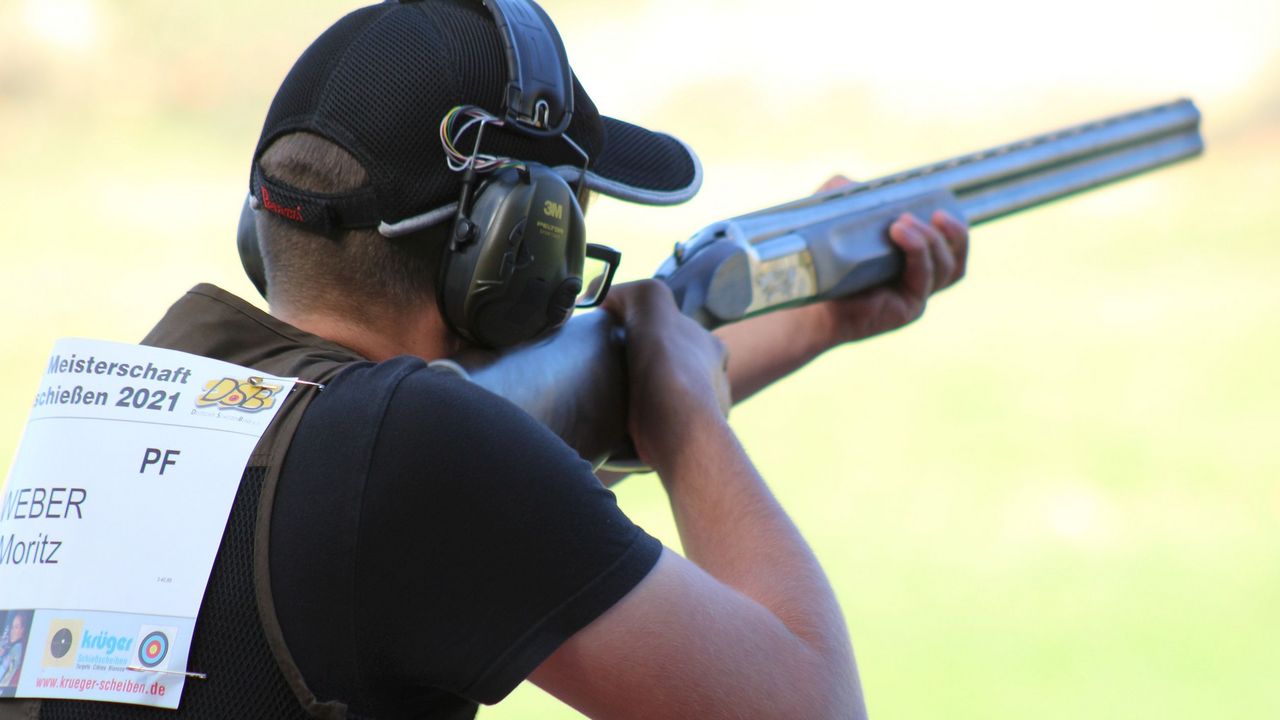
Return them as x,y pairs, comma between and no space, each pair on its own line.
767,348
748,625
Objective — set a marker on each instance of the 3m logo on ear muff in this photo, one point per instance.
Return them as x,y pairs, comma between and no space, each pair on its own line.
553,210
250,395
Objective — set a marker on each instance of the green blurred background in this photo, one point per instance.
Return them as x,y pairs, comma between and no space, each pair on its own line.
1057,495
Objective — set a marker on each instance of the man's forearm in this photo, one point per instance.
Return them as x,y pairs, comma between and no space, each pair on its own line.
766,348
731,525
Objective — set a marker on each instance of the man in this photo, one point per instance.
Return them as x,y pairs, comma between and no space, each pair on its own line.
406,544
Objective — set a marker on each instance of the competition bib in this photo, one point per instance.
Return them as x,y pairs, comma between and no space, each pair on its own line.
112,513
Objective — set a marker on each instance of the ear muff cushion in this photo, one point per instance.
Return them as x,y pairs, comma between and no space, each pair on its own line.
250,249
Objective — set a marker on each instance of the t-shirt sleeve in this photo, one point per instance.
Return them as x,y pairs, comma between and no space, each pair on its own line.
485,542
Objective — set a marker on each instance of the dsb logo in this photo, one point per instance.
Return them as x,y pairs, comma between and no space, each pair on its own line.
249,395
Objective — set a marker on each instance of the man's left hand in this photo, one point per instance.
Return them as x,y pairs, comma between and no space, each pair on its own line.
768,347
934,258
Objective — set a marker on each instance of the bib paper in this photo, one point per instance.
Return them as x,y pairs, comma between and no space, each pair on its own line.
112,513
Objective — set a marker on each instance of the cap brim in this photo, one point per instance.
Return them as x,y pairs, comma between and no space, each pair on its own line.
636,165
642,166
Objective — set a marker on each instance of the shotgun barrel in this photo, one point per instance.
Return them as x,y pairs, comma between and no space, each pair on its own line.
836,243
825,246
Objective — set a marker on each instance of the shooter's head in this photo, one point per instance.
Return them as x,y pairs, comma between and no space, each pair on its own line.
360,170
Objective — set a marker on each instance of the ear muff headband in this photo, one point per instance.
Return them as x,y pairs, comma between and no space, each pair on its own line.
539,94
513,267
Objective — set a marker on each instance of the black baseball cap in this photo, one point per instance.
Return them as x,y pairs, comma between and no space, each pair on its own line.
379,82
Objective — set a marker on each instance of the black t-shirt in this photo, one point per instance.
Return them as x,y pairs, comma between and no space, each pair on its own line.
431,544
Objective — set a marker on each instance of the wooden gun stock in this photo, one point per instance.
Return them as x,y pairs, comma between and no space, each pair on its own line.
574,382
820,247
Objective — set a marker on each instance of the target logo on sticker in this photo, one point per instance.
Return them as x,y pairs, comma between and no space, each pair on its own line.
64,642
154,649
153,646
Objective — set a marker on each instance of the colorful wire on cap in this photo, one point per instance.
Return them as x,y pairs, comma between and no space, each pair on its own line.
450,134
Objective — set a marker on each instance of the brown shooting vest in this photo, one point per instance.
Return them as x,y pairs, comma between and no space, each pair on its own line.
238,641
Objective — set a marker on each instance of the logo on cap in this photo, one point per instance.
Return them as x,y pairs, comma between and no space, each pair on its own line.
294,213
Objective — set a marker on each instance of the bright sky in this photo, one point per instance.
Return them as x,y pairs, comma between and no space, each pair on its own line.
64,24
916,55
967,52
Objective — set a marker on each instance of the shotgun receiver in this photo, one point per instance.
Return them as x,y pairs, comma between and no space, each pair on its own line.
825,246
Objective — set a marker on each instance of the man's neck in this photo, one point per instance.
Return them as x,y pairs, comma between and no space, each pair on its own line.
421,332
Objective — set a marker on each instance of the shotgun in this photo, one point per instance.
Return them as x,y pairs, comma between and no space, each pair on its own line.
825,246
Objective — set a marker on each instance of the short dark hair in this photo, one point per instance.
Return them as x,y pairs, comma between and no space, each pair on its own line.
353,272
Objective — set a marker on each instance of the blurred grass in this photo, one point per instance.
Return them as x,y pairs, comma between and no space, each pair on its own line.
1055,495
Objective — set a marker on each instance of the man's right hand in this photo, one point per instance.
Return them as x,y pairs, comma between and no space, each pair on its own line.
676,369
745,625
